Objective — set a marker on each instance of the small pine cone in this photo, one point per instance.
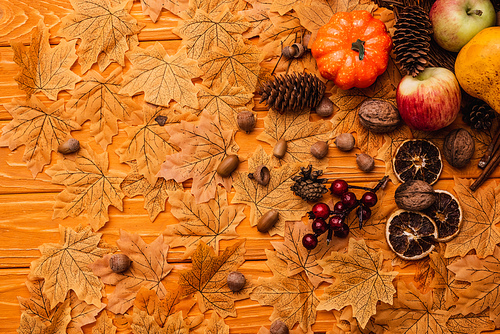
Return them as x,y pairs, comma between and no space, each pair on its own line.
308,185
292,92
412,39
478,115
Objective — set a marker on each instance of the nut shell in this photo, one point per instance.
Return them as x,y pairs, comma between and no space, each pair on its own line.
119,263
365,162
262,175
414,195
458,148
378,116
71,145
319,149
267,221
325,107
246,121
345,142
279,327
236,281
279,149
228,165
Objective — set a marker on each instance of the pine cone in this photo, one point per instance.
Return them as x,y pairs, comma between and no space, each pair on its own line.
292,92
308,186
478,115
412,39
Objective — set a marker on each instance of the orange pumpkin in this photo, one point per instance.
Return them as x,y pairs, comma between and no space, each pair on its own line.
352,49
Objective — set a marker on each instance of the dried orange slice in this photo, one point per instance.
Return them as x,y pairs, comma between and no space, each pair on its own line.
417,159
447,214
411,235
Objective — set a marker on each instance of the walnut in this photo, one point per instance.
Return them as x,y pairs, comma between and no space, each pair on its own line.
378,116
458,148
414,195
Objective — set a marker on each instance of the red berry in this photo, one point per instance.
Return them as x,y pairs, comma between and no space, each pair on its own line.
321,210
339,207
319,226
342,232
339,187
309,241
366,213
336,222
348,199
369,199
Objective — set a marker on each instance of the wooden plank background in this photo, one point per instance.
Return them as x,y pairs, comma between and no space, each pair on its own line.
26,203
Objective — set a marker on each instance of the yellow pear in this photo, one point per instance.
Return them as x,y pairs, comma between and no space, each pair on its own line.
477,67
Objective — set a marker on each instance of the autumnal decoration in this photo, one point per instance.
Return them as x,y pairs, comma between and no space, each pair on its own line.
417,159
446,212
378,116
365,162
478,115
458,147
308,185
414,195
246,121
104,325
347,54
236,281
268,220
228,165
70,146
345,142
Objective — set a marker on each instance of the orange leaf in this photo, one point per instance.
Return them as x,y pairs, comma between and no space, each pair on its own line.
216,325
104,325
35,325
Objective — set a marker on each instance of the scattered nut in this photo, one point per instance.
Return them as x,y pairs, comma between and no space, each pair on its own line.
228,165
71,145
365,162
235,281
161,120
319,149
345,142
246,121
325,107
378,116
119,262
267,221
305,39
458,148
414,195
262,175
279,327
279,150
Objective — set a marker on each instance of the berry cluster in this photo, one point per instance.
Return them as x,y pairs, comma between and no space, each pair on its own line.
336,225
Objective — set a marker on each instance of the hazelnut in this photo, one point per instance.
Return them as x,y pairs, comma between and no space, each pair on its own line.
161,120
262,175
228,165
71,145
280,147
325,107
235,281
279,327
246,121
414,195
458,148
378,116
345,142
365,162
319,149
267,221
119,262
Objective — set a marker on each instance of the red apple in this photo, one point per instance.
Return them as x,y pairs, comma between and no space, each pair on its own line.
430,101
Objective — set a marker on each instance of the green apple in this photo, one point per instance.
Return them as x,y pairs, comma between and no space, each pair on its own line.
455,22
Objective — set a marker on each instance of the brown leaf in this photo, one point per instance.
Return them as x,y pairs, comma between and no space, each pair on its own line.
392,140
203,147
39,128
299,134
298,258
258,18
360,281
209,222
161,77
102,27
64,266
215,6
89,185
208,278
276,195
216,325
104,325
155,195
480,216
37,305
470,323
35,325
149,266
292,297
444,278
346,324
97,99
45,69
174,6
286,30
283,6
144,323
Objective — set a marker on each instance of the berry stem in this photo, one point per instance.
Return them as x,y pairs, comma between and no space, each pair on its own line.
329,236
359,187
381,183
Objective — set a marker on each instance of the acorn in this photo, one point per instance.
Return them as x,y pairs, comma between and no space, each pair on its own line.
280,147
325,107
262,175
267,221
119,263
71,145
235,281
228,165
246,121
279,327
296,50
161,120
345,142
319,149
365,162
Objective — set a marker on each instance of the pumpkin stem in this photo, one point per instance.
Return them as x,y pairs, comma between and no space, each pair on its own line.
359,46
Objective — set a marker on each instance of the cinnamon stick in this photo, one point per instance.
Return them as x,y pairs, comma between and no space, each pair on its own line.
492,148
490,167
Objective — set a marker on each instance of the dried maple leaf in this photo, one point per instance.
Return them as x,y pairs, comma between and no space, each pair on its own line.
299,134
148,144
35,325
97,99
484,291
149,266
104,325
444,279
208,278
285,31
203,31
300,259
292,297
155,195
174,6
45,69
282,6
39,128
216,325
161,77
346,324
64,266
275,196
215,6
258,18
480,213
360,281
240,65
144,323
470,323
203,147
89,185
209,222
392,140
